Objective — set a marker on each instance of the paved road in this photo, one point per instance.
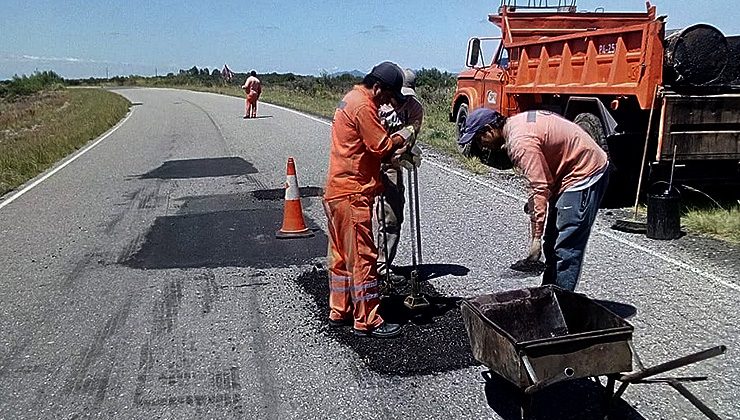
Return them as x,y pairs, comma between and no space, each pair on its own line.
143,280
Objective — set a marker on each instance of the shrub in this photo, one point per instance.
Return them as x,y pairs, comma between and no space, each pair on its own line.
28,85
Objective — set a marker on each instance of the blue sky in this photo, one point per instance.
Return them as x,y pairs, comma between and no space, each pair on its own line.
83,38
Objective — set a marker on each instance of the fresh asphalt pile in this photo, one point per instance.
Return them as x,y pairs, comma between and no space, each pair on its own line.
433,340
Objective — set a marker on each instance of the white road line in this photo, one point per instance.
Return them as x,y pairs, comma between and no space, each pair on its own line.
310,117
74,157
670,260
604,232
446,168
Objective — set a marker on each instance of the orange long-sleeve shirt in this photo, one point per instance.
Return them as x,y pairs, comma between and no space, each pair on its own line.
553,153
358,143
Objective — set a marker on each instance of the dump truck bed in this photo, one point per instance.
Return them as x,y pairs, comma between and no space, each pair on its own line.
583,53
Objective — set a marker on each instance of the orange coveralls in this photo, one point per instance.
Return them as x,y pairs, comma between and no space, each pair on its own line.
253,88
358,143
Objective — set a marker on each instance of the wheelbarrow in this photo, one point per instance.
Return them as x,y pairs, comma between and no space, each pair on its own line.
535,337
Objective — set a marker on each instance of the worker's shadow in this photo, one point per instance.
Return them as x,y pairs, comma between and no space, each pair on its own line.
580,399
623,310
433,271
258,117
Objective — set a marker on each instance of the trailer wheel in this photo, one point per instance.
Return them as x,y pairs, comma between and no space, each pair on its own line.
467,150
591,124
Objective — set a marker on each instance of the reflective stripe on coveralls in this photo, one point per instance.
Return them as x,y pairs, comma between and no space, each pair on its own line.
353,284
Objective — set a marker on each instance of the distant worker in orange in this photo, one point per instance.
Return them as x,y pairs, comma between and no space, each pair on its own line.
359,143
253,88
568,174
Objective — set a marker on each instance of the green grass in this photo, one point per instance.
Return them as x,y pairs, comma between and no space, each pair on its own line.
38,130
717,223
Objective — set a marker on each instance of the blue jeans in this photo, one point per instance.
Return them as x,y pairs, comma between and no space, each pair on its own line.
569,219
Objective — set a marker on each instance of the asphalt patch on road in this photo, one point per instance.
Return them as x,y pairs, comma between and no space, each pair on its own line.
433,340
279,193
201,168
234,238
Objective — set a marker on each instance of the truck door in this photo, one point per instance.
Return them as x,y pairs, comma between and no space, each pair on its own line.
488,57
494,81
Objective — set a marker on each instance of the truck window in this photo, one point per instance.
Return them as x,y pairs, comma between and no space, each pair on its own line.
482,51
503,58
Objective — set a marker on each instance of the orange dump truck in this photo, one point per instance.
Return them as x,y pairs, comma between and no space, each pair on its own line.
621,78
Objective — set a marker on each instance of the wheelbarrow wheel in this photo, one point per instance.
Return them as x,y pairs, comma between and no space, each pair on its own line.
527,411
519,403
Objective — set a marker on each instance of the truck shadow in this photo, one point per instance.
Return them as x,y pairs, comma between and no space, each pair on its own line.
581,399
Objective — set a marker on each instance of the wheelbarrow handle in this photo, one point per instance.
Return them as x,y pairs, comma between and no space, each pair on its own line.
694,400
673,364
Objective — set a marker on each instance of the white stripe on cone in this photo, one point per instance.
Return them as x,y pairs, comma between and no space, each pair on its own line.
291,188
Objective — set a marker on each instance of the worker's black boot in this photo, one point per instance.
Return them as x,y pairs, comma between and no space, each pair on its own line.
385,330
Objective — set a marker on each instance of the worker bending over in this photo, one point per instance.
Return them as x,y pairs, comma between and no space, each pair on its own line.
567,173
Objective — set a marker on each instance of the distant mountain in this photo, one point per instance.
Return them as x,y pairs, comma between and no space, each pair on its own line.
354,73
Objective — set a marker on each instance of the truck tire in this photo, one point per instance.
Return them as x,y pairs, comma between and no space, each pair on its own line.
467,150
617,189
591,124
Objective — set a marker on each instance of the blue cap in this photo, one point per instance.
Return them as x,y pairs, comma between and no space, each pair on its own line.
478,119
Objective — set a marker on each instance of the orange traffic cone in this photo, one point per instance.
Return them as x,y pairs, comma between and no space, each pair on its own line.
293,224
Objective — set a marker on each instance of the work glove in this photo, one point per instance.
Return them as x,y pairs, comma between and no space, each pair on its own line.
535,250
408,134
411,158
389,118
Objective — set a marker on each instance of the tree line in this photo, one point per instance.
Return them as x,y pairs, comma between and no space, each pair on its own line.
431,78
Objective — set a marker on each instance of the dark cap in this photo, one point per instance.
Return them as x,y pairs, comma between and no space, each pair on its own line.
390,75
478,119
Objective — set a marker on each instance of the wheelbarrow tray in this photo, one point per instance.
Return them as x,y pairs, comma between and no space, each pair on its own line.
541,335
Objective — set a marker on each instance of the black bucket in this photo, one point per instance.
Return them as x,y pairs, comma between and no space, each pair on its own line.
664,215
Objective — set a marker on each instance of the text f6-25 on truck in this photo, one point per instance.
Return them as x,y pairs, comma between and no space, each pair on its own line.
643,93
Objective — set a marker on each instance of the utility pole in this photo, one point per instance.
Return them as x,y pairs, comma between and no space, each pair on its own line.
155,72
106,72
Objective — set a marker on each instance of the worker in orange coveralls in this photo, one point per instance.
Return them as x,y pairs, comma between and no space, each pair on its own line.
252,87
359,143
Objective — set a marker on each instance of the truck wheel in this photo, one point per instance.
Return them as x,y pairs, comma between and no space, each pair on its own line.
591,124
468,150
616,192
